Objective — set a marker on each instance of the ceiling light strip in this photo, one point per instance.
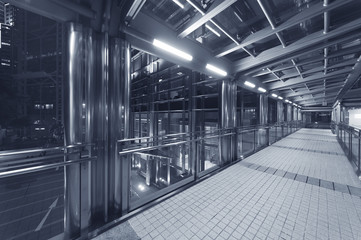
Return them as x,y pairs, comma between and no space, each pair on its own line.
178,3
249,84
216,70
212,30
172,50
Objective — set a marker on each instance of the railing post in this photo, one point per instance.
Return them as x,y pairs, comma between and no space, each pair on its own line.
350,143
359,146
254,140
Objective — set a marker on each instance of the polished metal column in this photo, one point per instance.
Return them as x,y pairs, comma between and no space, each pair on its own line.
263,109
73,129
295,115
289,113
280,114
228,120
126,121
115,124
99,168
119,113
88,110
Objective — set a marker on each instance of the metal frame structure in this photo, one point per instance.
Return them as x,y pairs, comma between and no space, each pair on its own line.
307,55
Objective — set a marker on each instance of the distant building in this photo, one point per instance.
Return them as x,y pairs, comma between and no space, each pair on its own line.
2,12
9,14
6,50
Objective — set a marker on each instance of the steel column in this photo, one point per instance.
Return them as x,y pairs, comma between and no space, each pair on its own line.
228,119
73,129
125,110
263,109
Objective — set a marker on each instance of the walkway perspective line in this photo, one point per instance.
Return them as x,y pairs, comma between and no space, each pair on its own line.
53,205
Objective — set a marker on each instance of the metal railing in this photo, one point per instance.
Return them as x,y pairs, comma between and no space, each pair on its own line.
18,162
349,138
160,164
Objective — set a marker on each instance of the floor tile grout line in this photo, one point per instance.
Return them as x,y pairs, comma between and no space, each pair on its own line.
256,167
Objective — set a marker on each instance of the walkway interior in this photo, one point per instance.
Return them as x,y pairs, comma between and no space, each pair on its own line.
301,187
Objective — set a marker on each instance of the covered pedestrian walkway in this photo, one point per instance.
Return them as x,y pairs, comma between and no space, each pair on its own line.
301,187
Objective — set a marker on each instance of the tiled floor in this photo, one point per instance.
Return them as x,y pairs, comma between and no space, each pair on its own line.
245,202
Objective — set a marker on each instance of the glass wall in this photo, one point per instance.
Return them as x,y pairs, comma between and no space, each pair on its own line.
160,105
207,120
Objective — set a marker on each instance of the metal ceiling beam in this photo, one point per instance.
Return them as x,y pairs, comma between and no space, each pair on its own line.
317,97
198,20
301,93
353,93
339,53
134,10
298,81
354,76
318,100
73,6
350,62
145,29
46,8
308,13
312,41
317,109
311,101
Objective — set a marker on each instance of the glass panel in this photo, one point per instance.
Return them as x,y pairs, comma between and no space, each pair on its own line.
279,133
32,205
210,157
250,108
355,146
157,169
247,142
346,139
261,138
34,119
272,111
239,146
272,135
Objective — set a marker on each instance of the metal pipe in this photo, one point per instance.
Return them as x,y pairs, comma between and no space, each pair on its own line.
73,129
44,167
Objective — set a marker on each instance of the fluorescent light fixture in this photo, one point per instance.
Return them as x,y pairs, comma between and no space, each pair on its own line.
274,95
287,101
358,116
212,30
178,3
249,84
141,187
279,97
172,50
216,70
262,89
196,7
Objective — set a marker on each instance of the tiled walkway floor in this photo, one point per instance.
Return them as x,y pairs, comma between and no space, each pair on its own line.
245,203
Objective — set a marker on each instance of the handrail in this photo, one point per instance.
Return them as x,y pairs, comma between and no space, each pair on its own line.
15,152
130,150
43,167
203,134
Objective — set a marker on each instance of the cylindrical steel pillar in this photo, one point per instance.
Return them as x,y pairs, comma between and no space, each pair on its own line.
99,168
263,109
73,128
280,113
115,124
228,120
289,113
125,91
119,96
